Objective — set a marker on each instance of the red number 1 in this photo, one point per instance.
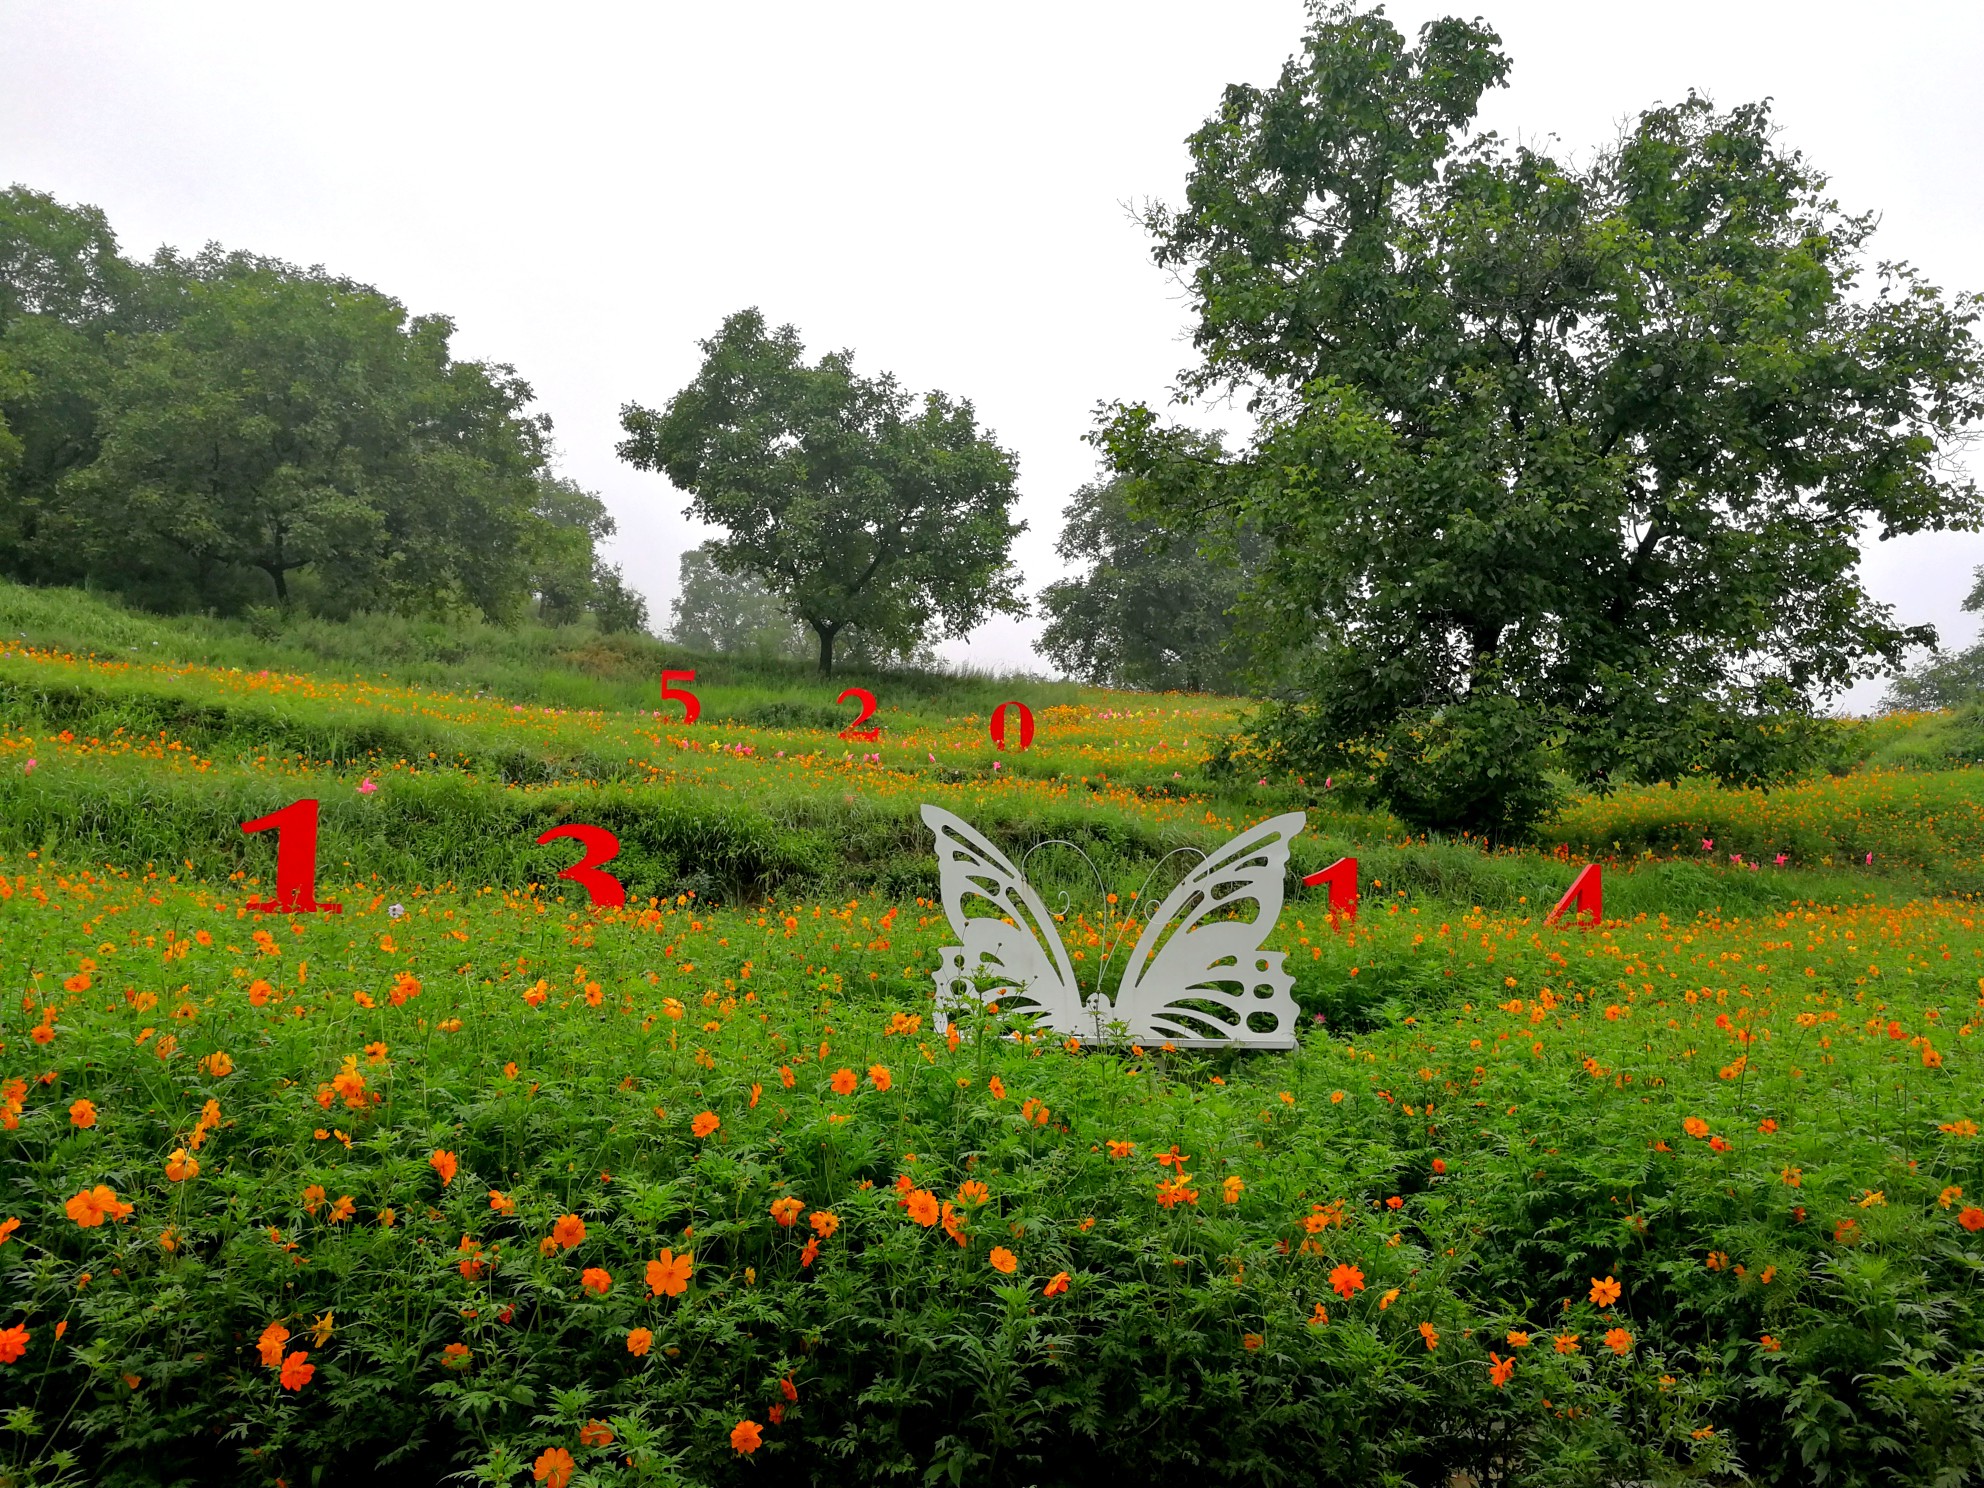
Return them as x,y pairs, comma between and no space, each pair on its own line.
1341,876
1587,892
296,861
601,847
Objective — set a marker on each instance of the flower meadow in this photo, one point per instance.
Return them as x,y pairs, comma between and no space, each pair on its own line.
476,1181
487,1182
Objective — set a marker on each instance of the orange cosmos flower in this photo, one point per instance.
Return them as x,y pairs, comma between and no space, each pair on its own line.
7,1227
973,1192
824,1223
1056,1285
1003,1260
704,1124
568,1230
93,1206
669,1276
1769,1344
746,1437
595,1434
785,1076
83,1114
501,1202
1427,1332
1970,1217
553,1467
271,1344
181,1166
1251,1341
455,1356
786,1211
1389,1297
1121,1149
997,1086
1518,1340
879,1077
1620,1341
1500,1369
922,1207
1565,1343
639,1341
810,1251
443,1162
296,1371
1605,1292
844,1081
218,1065
14,1342
1232,1189
341,1211
596,1279
1346,1281
1695,1127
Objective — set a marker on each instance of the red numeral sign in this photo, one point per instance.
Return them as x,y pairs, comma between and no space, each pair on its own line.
692,706
999,725
1587,892
854,730
295,827
601,847
1341,876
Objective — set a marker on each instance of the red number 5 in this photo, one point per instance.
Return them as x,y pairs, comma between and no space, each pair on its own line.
601,847
295,827
691,705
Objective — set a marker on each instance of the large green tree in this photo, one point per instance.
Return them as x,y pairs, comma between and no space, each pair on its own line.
1151,608
853,503
1558,463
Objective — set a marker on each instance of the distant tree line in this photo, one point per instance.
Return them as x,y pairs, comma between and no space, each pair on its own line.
223,430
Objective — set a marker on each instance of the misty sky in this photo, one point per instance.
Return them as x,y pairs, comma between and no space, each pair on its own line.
588,190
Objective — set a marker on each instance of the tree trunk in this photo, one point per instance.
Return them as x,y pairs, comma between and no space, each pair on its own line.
275,572
826,633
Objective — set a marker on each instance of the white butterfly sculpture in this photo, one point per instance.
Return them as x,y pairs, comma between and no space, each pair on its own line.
1197,977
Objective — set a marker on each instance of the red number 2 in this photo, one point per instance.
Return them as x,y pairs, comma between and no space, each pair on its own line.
601,847
854,730
295,827
692,706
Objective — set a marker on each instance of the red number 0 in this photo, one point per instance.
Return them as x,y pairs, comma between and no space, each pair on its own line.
601,847
999,725
1341,876
854,730
295,827
691,705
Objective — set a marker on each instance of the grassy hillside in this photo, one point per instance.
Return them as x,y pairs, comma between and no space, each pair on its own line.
470,1178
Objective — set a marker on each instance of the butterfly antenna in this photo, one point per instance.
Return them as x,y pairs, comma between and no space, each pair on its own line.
1138,898
1066,900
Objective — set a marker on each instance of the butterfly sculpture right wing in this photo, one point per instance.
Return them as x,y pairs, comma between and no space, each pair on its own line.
1014,950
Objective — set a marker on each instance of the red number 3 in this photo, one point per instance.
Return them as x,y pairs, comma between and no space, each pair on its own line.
601,847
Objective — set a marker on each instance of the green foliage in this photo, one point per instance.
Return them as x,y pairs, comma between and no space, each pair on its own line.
1952,681
731,613
847,502
1154,610
1591,447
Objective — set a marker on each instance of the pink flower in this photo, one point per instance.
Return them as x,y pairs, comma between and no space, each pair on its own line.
28,768
367,786
933,759
1708,844
1328,781
1870,860
995,770
1735,857
1781,859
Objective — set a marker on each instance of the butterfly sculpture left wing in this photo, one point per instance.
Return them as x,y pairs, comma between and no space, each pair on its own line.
1015,948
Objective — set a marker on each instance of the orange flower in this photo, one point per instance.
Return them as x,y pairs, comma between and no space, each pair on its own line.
639,1341
455,1356
82,1114
1003,1260
596,1279
922,1207
844,1081
1970,1217
553,1467
1518,1340
501,1202
1605,1292
746,1437
1232,1189
7,1227
1620,1341
296,1371
181,1166
1565,1343
443,1162
785,1076
218,1065
879,1077
1500,1369
567,1231
595,1434
810,1251
704,1124
1389,1297
341,1211
1320,1317
1251,1341
1056,1285
669,1276
824,1223
997,1086
14,1342
1695,1127
786,1211
271,1344
1346,1281
93,1206
1426,1331
314,1197
1121,1149
973,1192
1769,1344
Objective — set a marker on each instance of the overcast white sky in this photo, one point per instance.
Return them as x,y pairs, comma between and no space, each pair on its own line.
589,189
